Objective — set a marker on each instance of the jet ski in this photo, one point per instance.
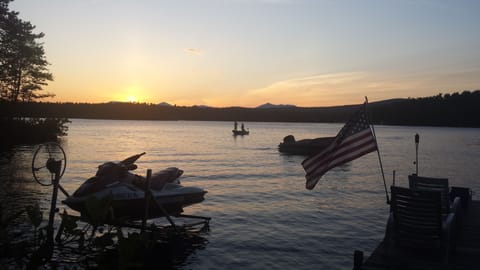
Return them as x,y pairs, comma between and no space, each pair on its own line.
126,191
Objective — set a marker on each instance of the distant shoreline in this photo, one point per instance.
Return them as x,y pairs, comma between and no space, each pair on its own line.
451,110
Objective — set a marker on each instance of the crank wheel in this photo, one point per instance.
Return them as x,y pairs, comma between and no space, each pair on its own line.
48,159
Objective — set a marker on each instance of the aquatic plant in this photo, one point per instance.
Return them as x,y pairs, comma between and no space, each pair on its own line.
36,217
94,241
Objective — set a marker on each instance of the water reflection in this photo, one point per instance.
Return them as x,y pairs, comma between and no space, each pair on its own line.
17,188
262,215
168,251
174,252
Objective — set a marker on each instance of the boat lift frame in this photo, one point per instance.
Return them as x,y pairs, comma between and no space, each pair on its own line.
55,168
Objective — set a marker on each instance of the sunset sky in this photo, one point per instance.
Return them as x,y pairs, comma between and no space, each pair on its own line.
248,52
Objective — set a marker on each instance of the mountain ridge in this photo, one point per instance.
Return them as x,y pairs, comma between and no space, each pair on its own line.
454,110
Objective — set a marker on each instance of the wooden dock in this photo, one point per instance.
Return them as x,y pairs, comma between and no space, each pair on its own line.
465,256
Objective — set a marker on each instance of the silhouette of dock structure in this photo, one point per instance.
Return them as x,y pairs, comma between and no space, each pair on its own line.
465,255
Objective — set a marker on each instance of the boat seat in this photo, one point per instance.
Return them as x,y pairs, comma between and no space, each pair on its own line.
168,175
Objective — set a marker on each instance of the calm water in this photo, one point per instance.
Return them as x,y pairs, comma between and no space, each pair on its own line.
262,215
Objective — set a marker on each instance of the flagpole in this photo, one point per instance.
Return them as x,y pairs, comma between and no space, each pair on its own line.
378,151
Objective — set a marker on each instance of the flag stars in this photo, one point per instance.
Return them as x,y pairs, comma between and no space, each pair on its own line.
354,140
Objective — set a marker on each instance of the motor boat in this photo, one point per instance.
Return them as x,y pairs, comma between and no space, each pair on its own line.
240,132
305,146
115,182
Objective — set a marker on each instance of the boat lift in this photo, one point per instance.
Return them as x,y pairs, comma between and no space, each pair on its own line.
48,166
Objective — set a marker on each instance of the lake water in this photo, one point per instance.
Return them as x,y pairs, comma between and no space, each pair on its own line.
262,215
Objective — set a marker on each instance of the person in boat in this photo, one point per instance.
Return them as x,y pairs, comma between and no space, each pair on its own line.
243,127
235,125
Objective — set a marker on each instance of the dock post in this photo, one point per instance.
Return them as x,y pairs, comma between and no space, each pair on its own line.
357,260
147,199
393,178
417,140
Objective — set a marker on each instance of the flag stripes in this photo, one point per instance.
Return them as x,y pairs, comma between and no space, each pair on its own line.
351,150
354,140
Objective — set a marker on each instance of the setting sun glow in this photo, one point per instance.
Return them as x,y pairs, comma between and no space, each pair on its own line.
246,53
132,99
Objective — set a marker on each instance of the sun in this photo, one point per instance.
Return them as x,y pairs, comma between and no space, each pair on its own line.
132,94
132,99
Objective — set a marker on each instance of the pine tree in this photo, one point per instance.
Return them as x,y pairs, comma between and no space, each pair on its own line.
23,65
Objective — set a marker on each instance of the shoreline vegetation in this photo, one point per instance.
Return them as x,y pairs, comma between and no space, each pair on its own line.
36,122
21,130
452,110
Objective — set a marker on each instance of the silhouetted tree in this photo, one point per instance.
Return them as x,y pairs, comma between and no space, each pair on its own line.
23,66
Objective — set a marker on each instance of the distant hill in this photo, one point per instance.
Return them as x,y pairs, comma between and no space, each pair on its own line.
164,104
389,101
271,106
118,102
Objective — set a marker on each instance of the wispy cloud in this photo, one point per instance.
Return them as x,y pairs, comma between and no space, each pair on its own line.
322,89
262,1
352,87
194,51
322,80
333,89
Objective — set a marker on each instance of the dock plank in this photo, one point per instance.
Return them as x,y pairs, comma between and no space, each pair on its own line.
465,256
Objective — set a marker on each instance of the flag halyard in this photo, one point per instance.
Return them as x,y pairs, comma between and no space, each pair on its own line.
354,140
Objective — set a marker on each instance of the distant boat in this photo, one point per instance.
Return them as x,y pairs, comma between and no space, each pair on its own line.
240,132
305,146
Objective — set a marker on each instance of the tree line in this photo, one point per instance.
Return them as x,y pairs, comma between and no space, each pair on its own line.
456,110
453,110
23,75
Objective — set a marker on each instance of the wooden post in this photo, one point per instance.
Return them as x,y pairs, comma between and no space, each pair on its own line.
357,260
393,180
417,140
147,199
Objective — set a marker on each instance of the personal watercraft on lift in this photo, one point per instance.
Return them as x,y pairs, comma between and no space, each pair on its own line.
127,190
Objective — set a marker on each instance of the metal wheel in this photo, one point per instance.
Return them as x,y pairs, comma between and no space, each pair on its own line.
44,160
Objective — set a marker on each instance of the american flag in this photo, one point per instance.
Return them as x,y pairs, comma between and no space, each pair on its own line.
354,140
